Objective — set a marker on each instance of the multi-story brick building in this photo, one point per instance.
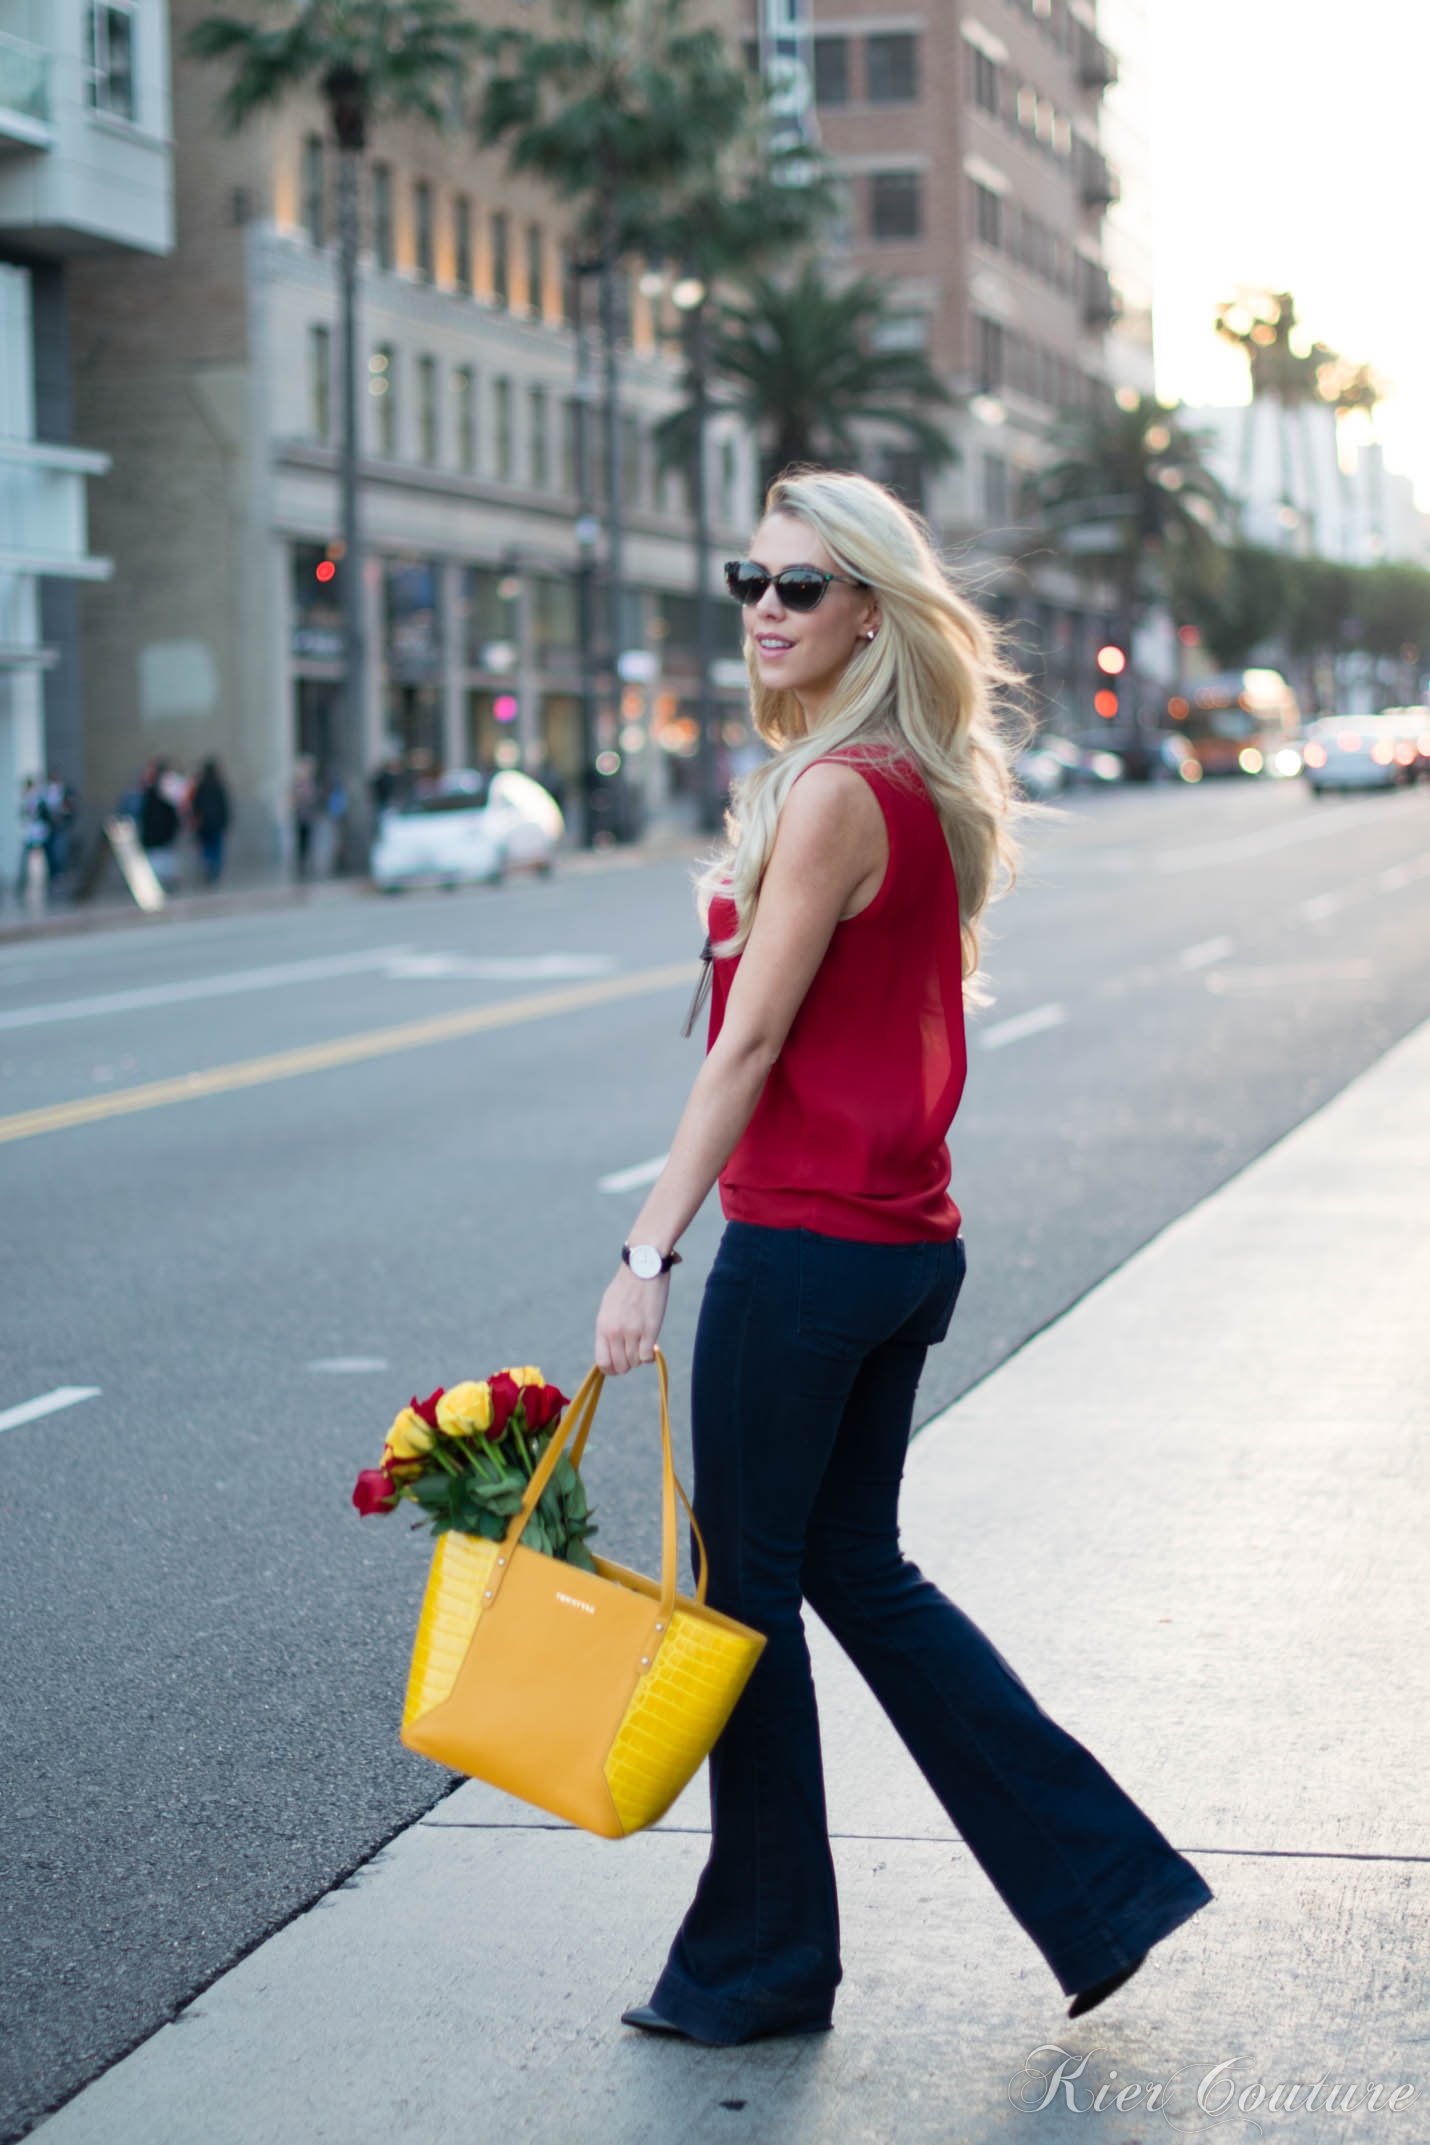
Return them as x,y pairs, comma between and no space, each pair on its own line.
216,389
85,174
977,189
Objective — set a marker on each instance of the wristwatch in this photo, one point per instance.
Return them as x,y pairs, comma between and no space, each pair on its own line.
646,1263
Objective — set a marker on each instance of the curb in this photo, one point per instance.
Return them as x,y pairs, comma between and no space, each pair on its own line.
256,900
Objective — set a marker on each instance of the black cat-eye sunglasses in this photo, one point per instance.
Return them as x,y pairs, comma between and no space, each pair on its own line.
799,588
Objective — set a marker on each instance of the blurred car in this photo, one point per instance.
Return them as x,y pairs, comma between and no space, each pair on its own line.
1356,752
1052,763
1410,727
467,831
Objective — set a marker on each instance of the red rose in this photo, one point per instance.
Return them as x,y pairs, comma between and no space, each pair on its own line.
375,1491
505,1394
542,1403
427,1408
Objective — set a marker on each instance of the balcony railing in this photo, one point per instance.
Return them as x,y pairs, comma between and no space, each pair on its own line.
1096,181
1096,66
24,86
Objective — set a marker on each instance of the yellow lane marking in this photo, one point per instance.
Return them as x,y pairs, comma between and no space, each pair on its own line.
347,1050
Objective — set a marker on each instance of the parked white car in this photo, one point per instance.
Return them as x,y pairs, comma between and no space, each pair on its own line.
1356,752
467,832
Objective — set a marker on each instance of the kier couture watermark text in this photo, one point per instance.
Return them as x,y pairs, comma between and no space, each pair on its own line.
1054,2075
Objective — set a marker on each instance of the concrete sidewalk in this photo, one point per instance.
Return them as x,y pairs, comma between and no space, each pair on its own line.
1194,1514
260,893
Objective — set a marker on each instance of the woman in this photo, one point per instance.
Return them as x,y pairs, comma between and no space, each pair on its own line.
844,930
211,813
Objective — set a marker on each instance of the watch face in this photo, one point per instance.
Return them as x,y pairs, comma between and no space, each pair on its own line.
645,1261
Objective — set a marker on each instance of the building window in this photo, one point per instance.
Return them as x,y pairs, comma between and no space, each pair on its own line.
987,216
995,491
831,70
729,483
892,68
382,386
422,229
315,206
111,60
985,82
320,381
570,446
462,245
427,409
903,472
501,259
502,429
895,204
382,215
535,271
988,353
464,397
538,440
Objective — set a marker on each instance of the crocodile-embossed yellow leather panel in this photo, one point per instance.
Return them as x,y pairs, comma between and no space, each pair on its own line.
677,1711
451,1606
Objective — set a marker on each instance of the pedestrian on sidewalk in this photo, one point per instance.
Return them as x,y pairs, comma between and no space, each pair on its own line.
35,832
159,824
844,936
212,812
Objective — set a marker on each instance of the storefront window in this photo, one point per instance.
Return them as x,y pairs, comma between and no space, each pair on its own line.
491,620
412,618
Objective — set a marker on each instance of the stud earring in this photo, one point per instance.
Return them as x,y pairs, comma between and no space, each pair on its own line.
869,636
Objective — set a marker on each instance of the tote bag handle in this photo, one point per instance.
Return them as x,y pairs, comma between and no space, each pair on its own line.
575,1429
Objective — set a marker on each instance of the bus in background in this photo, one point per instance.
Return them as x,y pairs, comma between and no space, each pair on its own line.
1236,722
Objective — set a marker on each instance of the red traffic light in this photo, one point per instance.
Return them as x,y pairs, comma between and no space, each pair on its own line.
1105,704
325,570
1112,661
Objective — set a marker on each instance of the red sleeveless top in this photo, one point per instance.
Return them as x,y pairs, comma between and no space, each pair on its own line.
849,1137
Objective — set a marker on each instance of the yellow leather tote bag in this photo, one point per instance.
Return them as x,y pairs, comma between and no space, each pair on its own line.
593,1695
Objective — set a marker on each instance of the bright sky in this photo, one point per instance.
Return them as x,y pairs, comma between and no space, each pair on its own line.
1291,151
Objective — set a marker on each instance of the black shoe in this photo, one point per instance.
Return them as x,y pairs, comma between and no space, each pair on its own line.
641,2014
1101,1990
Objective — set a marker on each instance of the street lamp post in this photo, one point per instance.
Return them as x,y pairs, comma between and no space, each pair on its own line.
690,297
345,92
588,532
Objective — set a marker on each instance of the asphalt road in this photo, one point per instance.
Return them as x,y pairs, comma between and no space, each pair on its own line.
203,1648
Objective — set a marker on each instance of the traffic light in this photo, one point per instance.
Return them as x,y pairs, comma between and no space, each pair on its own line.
1111,662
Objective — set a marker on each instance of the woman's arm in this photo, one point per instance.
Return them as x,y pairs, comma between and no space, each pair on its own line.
831,835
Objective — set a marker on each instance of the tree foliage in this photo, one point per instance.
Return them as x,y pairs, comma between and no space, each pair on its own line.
1133,470
387,57
800,362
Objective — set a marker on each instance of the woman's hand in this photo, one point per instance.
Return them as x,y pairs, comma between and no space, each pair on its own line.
629,1321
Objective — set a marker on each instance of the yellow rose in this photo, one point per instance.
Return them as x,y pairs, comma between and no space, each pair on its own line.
526,1374
408,1438
465,1410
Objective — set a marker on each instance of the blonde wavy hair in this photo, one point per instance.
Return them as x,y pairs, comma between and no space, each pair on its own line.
929,686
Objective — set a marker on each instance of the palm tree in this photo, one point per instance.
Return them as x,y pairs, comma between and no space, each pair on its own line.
1138,478
369,60
617,105
750,202
800,361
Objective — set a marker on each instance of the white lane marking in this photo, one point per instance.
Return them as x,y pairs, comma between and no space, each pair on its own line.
1237,982
1207,951
627,1180
30,1411
223,986
1269,839
516,968
339,1366
1320,906
1014,1030
1391,881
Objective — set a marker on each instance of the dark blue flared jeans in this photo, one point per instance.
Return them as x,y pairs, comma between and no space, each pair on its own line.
807,1360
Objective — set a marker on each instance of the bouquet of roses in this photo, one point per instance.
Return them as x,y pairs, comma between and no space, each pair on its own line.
465,1456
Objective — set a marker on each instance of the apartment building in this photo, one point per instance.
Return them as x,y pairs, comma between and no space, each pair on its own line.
85,174
977,188
219,397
